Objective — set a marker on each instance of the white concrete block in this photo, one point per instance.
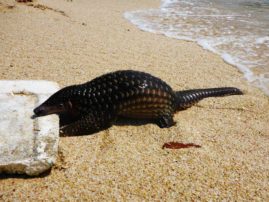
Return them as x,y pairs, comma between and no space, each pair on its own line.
27,145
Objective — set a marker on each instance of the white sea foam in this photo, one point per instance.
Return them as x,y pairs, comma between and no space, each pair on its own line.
263,40
237,31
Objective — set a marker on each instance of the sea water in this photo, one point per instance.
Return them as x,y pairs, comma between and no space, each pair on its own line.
238,30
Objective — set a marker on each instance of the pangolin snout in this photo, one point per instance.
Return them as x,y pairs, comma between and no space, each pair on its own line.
40,111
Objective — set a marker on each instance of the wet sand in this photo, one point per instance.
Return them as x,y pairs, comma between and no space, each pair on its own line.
74,41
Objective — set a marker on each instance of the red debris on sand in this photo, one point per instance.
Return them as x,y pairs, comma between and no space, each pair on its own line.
178,145
24,1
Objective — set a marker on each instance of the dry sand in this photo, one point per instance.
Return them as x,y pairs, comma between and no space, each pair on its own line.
75,41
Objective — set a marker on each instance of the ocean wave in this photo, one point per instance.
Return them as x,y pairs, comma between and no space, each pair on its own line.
238,32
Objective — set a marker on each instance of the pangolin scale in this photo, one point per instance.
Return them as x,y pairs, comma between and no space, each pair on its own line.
97,104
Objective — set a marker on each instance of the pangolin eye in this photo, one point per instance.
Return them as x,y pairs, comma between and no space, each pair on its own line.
61,105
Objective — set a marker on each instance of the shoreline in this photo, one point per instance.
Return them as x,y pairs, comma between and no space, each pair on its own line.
128,162
251,76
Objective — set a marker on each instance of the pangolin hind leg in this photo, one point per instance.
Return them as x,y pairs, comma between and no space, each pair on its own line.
89,124
165,121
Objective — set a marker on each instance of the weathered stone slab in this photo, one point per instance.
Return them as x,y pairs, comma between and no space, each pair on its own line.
27,145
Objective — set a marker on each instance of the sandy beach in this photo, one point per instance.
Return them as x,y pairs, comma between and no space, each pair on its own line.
72,42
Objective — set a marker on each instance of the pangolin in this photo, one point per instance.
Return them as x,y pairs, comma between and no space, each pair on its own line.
97,104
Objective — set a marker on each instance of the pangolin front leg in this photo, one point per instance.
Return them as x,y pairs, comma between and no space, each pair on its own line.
89,124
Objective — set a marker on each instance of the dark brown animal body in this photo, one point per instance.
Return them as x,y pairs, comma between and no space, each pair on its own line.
95,105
